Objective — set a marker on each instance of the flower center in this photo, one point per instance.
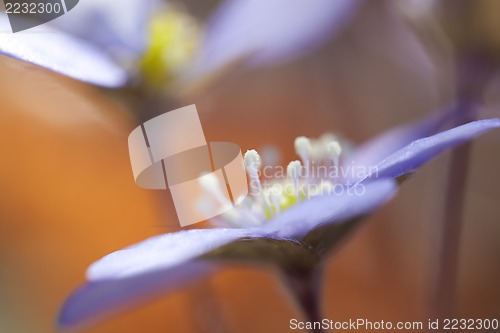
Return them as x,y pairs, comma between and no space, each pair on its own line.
316,173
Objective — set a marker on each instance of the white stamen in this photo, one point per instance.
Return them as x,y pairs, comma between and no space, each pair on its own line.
328,137
253,163
293,171
211,184
252,160
334,150
303,148
275,197
268,201
319,147
233,216
240,199
242,215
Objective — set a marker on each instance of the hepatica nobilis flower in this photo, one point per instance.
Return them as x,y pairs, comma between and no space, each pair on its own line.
288,222
284,31
95,42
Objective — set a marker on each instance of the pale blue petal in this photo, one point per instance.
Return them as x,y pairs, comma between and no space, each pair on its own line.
161,263
349,203
160,252
61,53
100,298
269,31
417,153
385,144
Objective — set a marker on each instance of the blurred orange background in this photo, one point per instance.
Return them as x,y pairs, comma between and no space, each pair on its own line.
68,196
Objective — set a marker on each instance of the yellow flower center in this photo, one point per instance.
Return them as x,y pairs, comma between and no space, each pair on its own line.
174,38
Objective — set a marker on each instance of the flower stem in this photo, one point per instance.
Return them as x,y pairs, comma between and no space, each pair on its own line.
305,287
474,73
451,232
209,315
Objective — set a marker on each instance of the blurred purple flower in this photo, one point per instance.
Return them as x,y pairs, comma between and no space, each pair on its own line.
270,31
95,42
295,237
121,29
252,33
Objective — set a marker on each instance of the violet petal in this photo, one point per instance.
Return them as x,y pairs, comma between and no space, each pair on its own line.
120,26
422,150
270,31
161,263
61,53
378,148
345,204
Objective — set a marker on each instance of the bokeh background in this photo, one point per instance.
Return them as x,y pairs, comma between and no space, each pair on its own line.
67,195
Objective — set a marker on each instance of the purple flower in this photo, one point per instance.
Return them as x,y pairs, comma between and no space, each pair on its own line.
290,230
90,43
272,30
121,29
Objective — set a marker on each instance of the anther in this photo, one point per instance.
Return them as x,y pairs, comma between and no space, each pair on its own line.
293,172
252,160
303,148
253,163
334,150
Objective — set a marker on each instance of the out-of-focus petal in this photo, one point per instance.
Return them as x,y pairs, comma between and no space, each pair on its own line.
61,53
343,204
422,150
160,252
118,27
385,144
269,31
161,263
97,299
